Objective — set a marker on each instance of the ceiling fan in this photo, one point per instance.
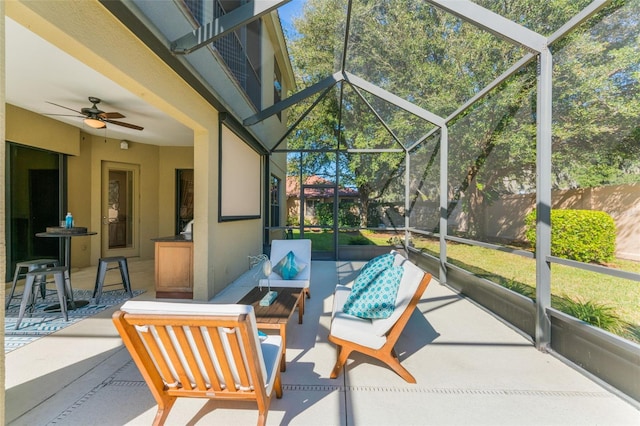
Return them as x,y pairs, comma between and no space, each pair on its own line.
95,117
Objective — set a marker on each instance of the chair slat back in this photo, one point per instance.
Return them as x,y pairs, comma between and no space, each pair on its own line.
200,350
208,357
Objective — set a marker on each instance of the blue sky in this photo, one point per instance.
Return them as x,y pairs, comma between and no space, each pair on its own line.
288,12
293,8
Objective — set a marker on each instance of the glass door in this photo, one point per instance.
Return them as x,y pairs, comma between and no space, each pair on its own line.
120,209
34,201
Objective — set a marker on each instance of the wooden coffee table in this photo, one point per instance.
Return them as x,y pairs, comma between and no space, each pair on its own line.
277,315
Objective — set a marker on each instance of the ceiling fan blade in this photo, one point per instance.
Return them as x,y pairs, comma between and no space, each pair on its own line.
110,115
62,106
120,123
66,115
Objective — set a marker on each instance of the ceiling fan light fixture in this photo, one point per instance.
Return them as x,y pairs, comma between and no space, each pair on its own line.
96,118
95,123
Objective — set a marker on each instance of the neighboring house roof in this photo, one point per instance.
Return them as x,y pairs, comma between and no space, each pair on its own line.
293,188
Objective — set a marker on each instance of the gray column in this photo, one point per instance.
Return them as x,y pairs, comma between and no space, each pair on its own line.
543,200
444,198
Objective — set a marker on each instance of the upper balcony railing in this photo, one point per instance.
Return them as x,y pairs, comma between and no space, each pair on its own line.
239,50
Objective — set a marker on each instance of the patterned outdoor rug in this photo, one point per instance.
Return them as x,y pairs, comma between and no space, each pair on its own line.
41,323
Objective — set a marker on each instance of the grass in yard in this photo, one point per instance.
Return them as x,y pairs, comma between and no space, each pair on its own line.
323,240
567,283
598,314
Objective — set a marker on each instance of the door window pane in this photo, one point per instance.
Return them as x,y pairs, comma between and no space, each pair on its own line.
184,198
120,208
274,217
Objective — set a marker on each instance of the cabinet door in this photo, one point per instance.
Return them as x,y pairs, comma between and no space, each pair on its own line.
174,268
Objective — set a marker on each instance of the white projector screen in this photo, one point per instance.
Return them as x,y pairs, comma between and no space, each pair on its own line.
240,168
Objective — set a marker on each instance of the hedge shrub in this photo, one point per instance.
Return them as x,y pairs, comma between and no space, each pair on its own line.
582,235
347,217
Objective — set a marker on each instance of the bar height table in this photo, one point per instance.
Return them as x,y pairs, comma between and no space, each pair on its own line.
67,234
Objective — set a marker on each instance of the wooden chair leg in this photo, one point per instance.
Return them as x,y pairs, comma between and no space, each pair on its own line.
300,308
343,355
392,361
163,411
277,386
262,418
263,410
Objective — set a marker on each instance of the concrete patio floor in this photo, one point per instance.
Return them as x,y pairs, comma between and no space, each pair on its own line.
471,369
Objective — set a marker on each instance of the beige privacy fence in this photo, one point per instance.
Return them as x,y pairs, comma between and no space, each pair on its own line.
504,219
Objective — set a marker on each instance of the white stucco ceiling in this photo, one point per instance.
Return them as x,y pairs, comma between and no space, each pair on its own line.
37,72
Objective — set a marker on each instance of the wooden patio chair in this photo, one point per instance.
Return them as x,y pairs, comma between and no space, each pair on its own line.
377,337
201,351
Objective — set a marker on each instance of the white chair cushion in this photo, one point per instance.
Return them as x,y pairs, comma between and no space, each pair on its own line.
349,327
398,258
279,282
183,308
271,353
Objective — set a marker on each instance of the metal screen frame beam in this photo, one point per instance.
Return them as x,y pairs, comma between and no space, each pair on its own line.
496,24
302,117
294,99
407,199
394,99
495,83
578,19
223,25
375,113
543,200
444,201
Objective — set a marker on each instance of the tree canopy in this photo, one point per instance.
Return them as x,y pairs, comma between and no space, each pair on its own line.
438,62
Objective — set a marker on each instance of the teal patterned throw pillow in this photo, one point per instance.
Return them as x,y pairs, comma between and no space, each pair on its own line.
371,270
378,299
289,267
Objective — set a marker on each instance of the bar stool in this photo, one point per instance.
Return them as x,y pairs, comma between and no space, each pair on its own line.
29,265
63,288
103,267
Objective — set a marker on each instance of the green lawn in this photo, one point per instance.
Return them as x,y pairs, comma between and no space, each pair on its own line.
519,273
323,240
